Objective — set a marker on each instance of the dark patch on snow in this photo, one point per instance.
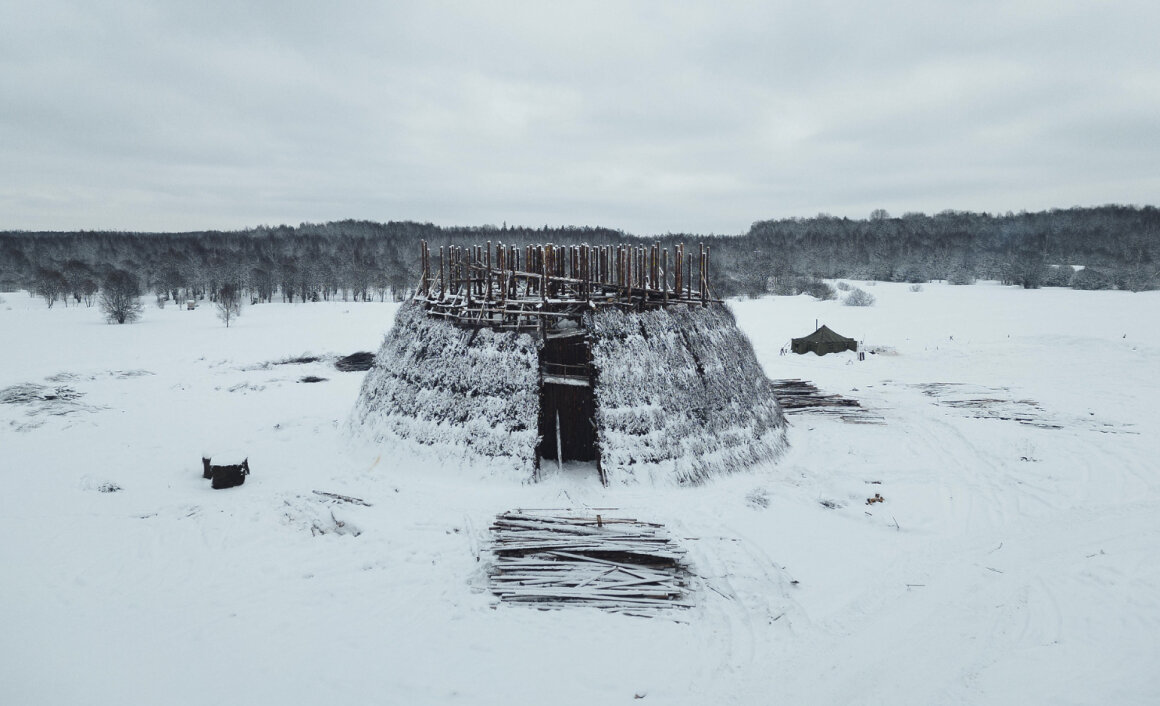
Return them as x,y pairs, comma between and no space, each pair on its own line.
300,360
123,374
30,393
355,362
988,403
312,378
42,400
803,397
758,499
246,387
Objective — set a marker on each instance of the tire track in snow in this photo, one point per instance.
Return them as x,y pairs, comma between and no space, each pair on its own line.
744,611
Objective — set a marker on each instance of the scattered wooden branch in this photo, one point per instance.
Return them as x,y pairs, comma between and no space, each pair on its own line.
342,498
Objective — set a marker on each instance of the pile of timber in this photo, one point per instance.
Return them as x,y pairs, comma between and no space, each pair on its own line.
802,396
554,558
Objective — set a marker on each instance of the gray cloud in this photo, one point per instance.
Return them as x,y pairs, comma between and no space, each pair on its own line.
651,117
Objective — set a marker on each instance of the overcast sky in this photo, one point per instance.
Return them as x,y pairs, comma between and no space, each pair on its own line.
649,117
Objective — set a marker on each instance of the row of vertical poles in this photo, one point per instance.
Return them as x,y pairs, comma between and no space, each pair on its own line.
549,271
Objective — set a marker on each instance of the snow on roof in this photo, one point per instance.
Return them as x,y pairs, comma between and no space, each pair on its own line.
679,394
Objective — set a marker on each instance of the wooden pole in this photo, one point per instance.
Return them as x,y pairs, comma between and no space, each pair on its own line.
501,260
689,277
628,272
705,289
487,268
701,275
655,268
583,271
423,266
665,274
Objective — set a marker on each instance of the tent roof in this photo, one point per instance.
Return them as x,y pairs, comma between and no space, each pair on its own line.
824,335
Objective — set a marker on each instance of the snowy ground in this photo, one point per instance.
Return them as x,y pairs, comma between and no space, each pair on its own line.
1011,563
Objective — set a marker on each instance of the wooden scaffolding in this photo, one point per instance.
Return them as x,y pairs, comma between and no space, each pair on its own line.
514,287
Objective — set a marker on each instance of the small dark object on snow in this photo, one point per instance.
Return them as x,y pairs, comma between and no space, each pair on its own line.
876,499
225,476
108,487
355,362
312,378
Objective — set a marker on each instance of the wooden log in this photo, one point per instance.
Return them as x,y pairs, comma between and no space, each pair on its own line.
701,272
544,271
705,286
487,266
665,274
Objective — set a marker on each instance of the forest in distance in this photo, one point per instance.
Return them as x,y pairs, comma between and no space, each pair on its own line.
1118,247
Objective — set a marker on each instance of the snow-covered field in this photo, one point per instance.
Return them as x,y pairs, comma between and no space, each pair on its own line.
1010,563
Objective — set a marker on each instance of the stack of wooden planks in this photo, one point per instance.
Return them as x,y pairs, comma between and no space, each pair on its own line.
556,558
802,396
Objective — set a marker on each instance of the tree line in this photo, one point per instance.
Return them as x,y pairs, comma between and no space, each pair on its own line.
363,260
1119,247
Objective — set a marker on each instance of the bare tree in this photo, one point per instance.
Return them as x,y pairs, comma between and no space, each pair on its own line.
859,297
229,303
50,285
120,298
89,289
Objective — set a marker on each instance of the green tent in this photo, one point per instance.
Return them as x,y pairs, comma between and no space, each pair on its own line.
824,341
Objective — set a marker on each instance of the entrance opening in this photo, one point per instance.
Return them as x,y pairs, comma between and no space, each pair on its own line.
567,403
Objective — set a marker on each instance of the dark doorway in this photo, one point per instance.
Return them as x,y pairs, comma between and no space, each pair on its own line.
567,403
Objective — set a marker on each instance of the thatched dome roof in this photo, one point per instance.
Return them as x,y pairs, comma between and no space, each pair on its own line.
679,394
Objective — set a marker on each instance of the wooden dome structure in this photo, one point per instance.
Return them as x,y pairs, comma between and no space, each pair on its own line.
613,355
